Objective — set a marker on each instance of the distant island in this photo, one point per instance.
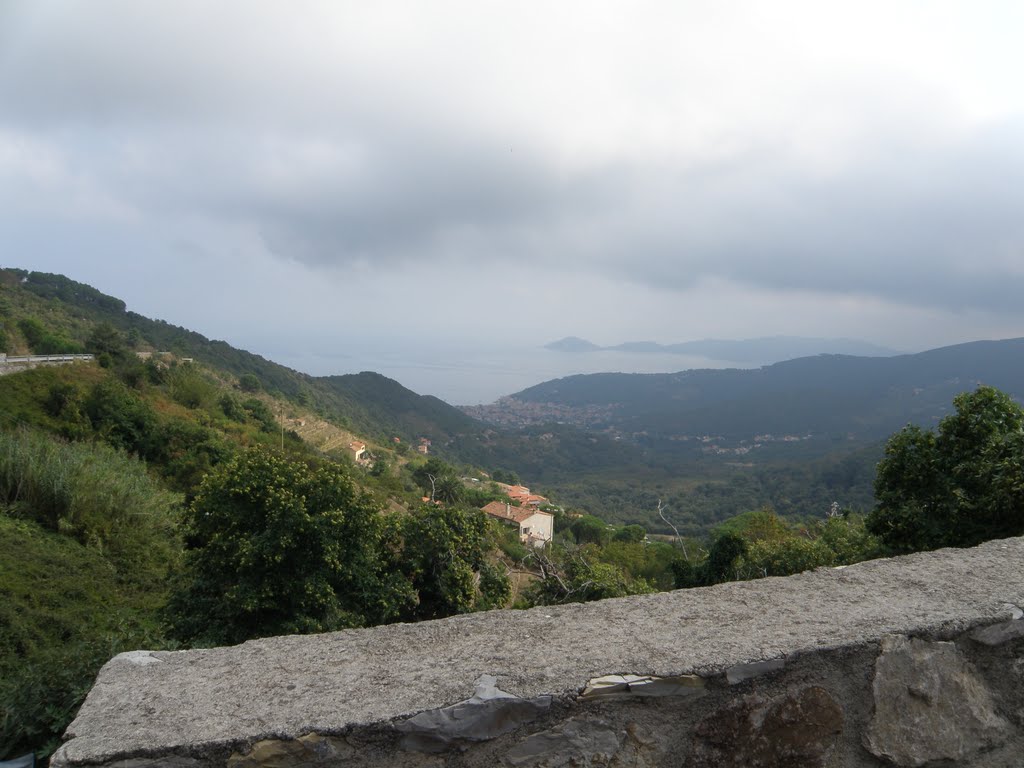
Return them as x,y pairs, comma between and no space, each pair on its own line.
761,351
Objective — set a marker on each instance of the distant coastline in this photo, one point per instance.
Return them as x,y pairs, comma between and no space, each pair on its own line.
760,351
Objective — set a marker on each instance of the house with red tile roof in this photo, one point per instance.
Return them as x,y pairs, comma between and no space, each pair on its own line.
536,528
521,494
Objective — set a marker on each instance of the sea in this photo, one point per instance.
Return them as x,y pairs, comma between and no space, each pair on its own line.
475,375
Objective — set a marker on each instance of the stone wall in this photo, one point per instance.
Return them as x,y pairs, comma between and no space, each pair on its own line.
914,661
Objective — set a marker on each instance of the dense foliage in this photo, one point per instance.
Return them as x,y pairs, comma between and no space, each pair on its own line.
88,540
761,544
958,485
92,493
277,547
445,557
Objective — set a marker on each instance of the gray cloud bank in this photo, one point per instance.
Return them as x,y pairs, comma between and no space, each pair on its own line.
454,147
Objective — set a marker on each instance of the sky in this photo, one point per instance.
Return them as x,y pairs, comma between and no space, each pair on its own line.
334,183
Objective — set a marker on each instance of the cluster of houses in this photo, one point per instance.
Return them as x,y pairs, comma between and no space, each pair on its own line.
536,528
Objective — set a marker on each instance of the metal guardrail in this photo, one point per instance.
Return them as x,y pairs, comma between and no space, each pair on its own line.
12,359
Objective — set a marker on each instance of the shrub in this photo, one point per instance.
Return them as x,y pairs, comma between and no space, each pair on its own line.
280,548
249,382
63,613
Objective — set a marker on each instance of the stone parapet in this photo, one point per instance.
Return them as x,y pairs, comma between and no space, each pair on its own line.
909,661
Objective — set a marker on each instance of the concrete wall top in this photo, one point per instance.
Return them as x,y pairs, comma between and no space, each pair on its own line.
284,687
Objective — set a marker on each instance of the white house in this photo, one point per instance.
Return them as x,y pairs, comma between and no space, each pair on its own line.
536,528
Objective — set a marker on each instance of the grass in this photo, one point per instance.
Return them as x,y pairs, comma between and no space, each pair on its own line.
64,611
88,540
94,494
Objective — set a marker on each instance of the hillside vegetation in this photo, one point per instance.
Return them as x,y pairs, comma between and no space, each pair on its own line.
159,497
164,496
711,444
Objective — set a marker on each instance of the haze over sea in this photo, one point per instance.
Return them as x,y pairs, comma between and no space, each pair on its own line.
471,375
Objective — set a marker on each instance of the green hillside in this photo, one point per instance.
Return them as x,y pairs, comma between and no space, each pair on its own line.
867,397
101,461
162,495
367,403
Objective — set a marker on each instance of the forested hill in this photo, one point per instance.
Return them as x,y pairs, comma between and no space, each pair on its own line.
60,314
397,409
867,397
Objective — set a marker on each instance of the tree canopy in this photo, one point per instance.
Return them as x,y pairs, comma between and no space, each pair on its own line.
281,548
958,485
277,546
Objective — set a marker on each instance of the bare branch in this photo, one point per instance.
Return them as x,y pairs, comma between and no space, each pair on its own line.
679,539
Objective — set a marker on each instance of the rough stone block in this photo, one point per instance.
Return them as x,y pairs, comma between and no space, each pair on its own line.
588,741
930,705
490,713
308,751
998,634
796,730
741,672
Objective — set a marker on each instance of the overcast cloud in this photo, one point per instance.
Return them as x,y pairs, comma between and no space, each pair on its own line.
338,176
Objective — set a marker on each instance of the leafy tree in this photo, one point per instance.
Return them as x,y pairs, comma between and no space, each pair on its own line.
848,537
590,530
63,398
186,451
757,525
431,468
449,489
133,338
506,476
106,341
249,382
495,589
232,408
958,486
190,387
122,418
650,561
444,555
439,481
631,534
788,556
278,548
720,565
760,543
260,412
724,562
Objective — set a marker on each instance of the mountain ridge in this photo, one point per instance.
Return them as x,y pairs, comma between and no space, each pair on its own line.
867,396
761,351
